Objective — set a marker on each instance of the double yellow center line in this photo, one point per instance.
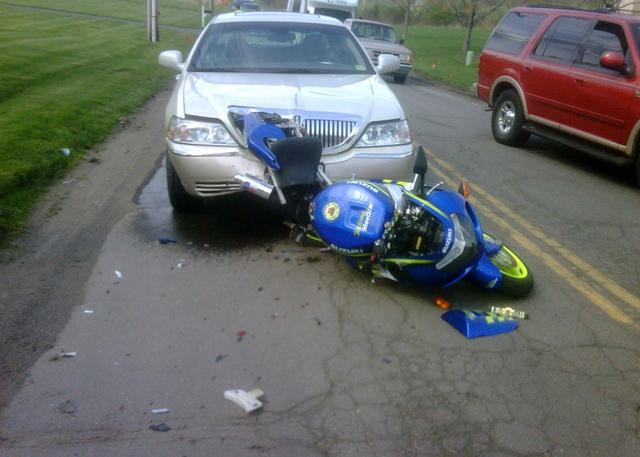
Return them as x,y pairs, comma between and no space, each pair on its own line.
556,256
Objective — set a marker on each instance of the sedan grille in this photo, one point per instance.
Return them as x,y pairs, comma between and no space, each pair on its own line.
331,133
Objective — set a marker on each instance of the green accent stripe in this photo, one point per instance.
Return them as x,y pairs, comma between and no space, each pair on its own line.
409,261
430,205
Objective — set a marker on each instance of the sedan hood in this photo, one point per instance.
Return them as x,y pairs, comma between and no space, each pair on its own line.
365,96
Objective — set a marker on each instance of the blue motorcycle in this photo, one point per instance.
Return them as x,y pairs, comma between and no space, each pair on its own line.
404,231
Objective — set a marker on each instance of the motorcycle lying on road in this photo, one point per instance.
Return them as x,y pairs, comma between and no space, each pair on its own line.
404,231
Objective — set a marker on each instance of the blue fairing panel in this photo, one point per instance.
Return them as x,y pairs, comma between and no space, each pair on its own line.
350,216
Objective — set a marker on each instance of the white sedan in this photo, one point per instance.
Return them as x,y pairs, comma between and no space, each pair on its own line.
304,67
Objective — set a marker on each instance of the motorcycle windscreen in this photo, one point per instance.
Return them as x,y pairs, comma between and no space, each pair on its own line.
473,324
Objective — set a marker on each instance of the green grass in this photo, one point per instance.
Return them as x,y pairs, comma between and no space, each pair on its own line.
438,54
182,13
65,83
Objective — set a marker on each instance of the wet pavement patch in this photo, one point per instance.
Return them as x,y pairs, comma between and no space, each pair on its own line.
225,223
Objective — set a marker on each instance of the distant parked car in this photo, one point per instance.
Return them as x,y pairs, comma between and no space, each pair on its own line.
309,69
566,74
378,38
245,5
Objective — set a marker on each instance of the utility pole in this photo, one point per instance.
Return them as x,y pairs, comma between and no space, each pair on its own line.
152,21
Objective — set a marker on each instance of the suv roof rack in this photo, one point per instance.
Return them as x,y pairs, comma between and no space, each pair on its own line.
570,8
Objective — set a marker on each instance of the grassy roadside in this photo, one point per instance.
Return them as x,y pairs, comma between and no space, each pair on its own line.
65,83
181,13
438,54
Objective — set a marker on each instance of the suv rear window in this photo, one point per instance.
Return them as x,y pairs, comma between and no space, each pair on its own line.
513,32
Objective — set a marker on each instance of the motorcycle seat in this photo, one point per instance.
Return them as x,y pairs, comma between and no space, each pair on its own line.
298,158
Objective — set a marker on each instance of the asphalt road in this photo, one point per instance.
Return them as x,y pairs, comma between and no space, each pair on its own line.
347,367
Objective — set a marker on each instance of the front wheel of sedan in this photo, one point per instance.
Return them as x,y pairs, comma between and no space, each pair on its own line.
507,120
180,200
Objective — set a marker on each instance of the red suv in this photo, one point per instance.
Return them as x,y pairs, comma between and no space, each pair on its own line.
569,75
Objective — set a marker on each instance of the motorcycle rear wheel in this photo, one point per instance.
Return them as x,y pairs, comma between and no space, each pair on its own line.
517,279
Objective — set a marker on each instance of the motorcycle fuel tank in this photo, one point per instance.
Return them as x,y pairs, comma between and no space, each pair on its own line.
350,216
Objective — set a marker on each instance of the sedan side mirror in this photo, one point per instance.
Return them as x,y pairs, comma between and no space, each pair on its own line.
613,61
171,59
387,64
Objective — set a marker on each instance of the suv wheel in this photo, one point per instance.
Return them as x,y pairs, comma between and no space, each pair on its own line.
507,120
180,200
638,168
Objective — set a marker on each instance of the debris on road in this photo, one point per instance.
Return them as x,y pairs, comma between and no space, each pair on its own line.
67,407
473,324
318,321
181,263
441,302
118,274
69,181
241,335
386,360
166,240
221,357
88,311
509,312
247,400
65,151
160,411
160,427
61,355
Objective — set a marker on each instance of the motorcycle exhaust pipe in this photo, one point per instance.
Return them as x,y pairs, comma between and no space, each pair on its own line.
255,185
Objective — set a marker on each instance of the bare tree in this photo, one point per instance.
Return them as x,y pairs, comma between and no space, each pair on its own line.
470,12
407,6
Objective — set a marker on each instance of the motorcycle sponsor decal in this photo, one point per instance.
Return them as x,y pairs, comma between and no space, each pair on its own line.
447,242
363,221
331,211
366,185
345,251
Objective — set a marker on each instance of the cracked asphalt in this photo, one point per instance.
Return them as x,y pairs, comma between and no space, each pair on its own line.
349,368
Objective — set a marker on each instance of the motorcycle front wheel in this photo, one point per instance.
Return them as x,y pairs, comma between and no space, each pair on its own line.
517,280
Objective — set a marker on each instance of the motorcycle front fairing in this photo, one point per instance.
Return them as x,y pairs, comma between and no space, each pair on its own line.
461,248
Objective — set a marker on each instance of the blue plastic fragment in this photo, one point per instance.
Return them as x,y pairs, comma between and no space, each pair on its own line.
166,240
473,324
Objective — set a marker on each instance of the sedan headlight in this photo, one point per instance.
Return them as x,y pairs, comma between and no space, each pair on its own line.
386,134
189,131
406,58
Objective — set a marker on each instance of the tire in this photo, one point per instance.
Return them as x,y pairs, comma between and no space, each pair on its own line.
517,279
400,79
507,119
638,169
180,200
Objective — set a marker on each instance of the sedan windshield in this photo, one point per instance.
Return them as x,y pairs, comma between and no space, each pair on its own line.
373,31
273,47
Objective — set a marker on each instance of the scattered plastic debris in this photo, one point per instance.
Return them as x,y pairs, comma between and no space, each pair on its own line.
441,302
160,427
88,311
118,274
473,324
241,335
221,357
181,263
65,151
68,354
509,312
63,354
160,410
247,400
386,360
318,321
69,181
207,245
166,240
